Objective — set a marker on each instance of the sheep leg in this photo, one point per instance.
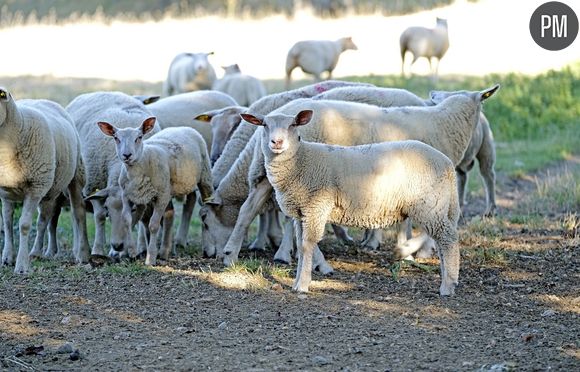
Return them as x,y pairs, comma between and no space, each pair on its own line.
79,222
46,208
404,234
142,239
309,236
284,253
448,252
7,216
260,242
407,248
275,232
154,225
486,163
461,183
341,233
253,204
187,213
167,236
319,262
373,239
25,224
52,248
100,215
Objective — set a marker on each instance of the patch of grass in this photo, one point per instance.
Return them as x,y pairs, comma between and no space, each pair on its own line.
532,221
482,256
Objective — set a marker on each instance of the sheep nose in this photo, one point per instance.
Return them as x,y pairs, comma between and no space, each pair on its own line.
117,247
126,156
277,143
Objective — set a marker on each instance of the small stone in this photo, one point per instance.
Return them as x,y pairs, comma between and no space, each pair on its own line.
302,296
75,355
320,360
548,313
223,325
276,287
65,348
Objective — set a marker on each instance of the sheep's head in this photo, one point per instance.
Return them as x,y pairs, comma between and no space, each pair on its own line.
5,97
129,141
347,43
223,123
438,96
218,221
279,129
200,61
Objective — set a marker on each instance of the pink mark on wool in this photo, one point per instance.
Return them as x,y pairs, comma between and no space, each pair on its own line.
320,88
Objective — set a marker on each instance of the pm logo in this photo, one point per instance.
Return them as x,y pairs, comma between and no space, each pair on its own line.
554,25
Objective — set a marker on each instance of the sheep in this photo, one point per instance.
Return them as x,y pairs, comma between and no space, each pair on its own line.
189,72
40,160
173,162
383,97
223,123
245,89
101,188
430,43
230,172
448,127
316,56
368,186
180,109
481,147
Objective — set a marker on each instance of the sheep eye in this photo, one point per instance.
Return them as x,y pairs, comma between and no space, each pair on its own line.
138,139
2,94
116,139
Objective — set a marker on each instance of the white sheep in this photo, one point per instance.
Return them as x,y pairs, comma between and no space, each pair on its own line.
180,110
367,186
481,147
245,89
102,166
173,162
189,72
223,122
316,56
448,127
431,43
39,161
230,172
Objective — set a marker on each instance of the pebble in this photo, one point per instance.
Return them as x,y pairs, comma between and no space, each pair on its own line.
75,355
65,348
548,313
320,360
223,325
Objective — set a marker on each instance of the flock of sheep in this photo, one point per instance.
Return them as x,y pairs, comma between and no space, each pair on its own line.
345,153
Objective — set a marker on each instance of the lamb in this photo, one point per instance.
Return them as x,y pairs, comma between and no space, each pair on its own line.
230,172
245,89
316,56
481,147
40,160
447,127
367,186
180,109
102,166
223,123
430,43
173,162
189,72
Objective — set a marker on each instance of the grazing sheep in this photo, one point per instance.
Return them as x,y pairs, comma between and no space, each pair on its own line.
39,161
223,123
173,162
481,147
98,153
245,89
230,172
447,127
189,72
180,109
367,186
430,43
316,56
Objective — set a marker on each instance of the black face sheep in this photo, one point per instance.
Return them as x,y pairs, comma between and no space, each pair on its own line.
369,186
40,159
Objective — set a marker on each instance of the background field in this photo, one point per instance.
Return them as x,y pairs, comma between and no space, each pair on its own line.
517,307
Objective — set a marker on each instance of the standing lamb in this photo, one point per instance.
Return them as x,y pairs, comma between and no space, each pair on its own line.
102,166
189,72
368,186
425,42
40,160
316,56
245,89
173,162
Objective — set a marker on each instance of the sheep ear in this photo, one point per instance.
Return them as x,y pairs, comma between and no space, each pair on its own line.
303,117
253,119
205,117
99,195
148,125
209,54
485,94
149,99
215,200
107,128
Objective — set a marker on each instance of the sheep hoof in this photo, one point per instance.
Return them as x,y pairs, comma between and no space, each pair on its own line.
282,261
21,270
229,260
298,287
324,269
35,253
447,290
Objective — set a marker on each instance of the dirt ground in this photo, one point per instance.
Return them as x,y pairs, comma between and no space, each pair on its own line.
517,308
